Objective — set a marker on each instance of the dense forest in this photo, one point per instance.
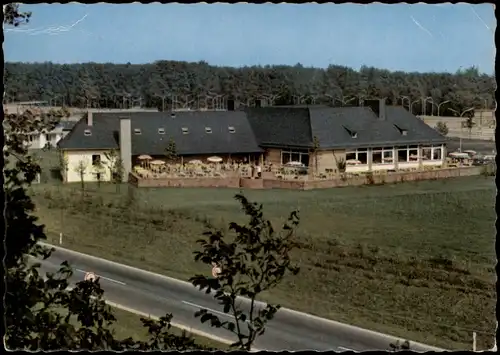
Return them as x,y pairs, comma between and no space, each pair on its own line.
171,84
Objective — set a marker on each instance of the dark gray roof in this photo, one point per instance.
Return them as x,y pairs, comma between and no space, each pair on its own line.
333,127
105,133
254,128
281,126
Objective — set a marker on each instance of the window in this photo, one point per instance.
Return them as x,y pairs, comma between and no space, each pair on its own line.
350,156
137,131
352,133
377,157
231,129
185,130
47,137
87,132
96,159
403,154
363,157
208,130
359,156
401,130
161,130
413,153
288,156
388,156
426,153
437,153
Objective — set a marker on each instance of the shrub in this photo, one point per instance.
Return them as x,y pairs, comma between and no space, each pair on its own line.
442,128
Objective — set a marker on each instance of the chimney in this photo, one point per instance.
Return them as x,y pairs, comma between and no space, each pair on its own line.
381,109
126,146
90,118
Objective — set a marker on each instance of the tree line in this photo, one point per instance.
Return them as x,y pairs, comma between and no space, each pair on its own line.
173,84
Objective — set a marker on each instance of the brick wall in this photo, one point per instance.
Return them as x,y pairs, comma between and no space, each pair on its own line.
252,183
237,182
230,182
284,184
394,177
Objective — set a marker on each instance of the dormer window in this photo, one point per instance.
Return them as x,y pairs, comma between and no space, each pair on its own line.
231,129
352,133
208,130
403,131
137,131
185,130
87,132
161,130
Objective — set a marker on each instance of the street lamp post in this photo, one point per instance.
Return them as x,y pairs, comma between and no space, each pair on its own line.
428,99
403,101
162,97
344,101
439,105
461,114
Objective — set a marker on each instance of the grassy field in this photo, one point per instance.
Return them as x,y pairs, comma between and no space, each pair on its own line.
414,260
129,325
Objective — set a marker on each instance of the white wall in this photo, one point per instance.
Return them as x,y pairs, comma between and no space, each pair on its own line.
39,140
74,158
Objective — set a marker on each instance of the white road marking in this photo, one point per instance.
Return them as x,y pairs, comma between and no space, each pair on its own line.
187,285
104,277
345,349
209,309
176,325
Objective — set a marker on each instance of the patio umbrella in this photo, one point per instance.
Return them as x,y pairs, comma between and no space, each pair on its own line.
195,162
144,159
214,159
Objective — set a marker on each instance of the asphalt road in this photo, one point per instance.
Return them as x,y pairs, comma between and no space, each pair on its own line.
156,295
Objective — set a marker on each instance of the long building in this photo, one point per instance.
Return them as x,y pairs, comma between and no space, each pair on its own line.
369,138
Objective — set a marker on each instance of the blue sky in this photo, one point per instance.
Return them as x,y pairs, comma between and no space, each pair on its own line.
417,37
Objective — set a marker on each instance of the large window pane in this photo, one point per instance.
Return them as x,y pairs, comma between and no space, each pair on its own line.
285,157
377,157
304,158
413,154
363,157
403,155
388,158
436,154
295,156
426,153
350,156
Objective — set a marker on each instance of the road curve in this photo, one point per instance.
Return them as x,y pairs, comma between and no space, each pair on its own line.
156,295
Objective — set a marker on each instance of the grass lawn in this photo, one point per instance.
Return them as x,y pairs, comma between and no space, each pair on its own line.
129,325
414,260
